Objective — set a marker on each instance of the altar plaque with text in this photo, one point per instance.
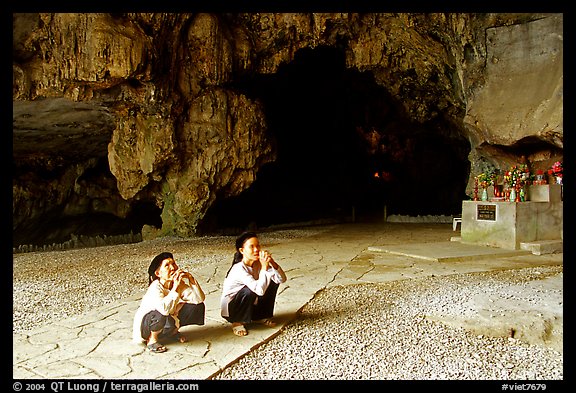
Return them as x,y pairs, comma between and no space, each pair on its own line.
486,212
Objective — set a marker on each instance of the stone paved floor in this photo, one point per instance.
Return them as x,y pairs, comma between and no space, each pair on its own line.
97,344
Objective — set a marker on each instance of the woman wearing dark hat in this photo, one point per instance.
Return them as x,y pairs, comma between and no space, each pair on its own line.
168,304
250,286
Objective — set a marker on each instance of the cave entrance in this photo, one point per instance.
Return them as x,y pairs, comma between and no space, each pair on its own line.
345,146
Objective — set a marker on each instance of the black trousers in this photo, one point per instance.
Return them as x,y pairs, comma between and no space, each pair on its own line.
154,321
242,307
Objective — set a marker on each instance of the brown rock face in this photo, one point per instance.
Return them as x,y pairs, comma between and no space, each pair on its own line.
155,119
523,93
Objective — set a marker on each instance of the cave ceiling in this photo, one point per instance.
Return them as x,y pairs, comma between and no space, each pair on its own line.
58,127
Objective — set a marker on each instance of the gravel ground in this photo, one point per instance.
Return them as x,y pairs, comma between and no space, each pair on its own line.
389,332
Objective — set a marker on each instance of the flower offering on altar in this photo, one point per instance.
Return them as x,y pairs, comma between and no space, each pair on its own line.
557,171
484,179
517,176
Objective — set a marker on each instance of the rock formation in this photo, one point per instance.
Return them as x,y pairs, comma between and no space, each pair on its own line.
130,116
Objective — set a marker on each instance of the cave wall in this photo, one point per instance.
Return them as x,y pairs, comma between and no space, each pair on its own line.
523,90
515,108
178,135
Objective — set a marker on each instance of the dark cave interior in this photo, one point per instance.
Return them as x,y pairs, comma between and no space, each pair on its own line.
344,144
58,225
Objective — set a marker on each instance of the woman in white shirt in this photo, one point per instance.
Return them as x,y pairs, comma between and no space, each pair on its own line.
168,304
250,286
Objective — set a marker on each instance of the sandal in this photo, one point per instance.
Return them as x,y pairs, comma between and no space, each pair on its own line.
267,321
239,330
156,347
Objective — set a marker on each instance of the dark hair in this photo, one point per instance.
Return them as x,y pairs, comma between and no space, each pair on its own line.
240,240
155,264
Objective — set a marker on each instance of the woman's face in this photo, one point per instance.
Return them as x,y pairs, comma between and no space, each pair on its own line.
166,269
250,250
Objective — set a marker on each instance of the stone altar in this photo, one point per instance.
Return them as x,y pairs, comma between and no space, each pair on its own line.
545,193
508,224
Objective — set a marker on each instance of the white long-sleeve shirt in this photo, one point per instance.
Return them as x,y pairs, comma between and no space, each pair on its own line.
166,301
241,275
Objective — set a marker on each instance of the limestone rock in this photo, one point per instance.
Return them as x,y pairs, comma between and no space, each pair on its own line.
223,142
523,92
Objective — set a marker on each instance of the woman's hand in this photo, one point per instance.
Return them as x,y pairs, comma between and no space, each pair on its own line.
190,277
176,278
266,259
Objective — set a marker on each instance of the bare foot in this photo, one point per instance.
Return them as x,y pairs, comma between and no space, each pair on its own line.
176,335
266,321
180,337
